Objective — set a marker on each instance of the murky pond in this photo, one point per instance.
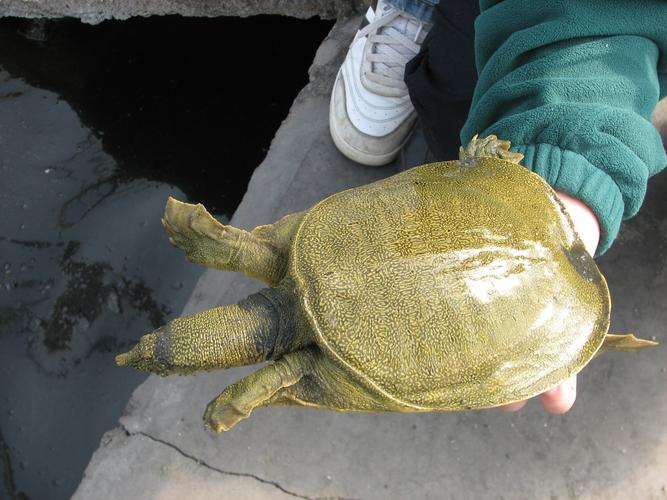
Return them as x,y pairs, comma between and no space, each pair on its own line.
98,125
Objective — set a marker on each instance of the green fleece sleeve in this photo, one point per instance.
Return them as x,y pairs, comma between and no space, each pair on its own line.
573,84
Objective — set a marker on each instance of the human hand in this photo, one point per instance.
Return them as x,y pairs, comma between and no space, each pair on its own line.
561,398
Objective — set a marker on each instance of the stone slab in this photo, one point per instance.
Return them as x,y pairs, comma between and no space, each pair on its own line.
610,446
96,11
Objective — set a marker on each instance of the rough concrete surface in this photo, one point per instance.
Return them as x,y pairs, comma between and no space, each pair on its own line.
612,445
96,11
166,473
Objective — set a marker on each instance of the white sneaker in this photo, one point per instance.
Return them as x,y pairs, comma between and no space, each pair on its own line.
370,114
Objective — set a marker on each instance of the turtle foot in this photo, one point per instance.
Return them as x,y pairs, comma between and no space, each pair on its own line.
257,389
222,417
203,239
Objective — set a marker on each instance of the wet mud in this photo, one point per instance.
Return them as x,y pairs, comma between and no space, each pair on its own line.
98,125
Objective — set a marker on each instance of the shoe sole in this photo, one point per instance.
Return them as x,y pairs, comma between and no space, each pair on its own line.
359,156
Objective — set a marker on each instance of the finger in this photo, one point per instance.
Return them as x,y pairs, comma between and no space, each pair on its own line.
516,406
560,399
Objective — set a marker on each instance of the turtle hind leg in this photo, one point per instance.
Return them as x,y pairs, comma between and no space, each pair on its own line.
261,253
238,400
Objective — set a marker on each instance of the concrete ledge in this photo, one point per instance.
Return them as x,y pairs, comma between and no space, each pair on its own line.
165,473
96,11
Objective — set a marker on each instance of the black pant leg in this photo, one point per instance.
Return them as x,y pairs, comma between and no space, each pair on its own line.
442,77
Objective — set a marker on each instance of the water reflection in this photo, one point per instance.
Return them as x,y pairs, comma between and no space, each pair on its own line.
82,258
97,126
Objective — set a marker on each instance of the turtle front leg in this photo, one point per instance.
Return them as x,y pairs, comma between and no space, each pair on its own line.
261,253
238,400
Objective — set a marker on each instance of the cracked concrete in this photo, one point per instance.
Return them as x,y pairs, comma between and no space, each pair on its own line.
166,472
210,467
610,446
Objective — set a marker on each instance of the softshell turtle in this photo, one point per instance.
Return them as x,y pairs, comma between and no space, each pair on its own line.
450,286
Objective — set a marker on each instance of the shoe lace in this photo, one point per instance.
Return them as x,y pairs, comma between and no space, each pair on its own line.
391,47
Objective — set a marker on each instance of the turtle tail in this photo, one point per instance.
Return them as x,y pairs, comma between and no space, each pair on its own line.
627,342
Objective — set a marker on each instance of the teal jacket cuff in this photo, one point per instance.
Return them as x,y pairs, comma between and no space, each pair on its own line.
572,173
572,85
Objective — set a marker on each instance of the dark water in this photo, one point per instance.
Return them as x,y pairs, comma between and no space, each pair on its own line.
98,125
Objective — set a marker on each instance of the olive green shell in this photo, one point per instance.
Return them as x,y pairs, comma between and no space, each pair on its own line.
451,286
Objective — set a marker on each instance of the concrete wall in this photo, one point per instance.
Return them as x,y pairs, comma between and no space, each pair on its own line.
96,11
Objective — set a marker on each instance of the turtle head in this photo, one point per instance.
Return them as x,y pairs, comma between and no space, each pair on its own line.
263,326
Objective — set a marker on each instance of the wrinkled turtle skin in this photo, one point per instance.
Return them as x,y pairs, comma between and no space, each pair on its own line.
451,286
